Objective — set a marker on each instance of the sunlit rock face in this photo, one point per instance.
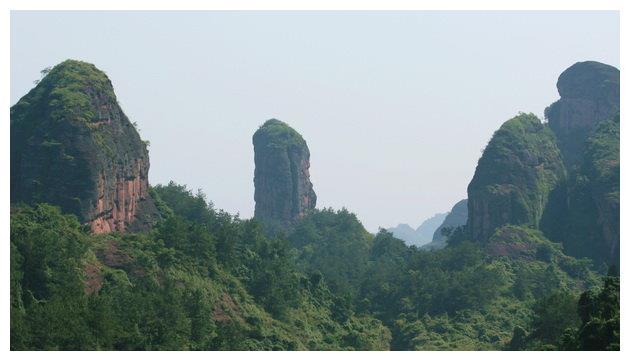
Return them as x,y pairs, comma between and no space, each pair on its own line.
72,146
283,190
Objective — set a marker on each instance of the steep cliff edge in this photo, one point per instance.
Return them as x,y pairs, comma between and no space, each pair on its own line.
72,146
283,189
519,169
593,202
589,94
586,123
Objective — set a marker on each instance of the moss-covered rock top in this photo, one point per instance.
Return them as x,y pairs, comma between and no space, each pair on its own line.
520,143
68,90
276,133
518,170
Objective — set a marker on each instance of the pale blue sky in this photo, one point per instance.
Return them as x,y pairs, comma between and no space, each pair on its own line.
395,106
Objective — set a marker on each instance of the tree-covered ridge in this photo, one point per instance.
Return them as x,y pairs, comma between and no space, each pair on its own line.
518,170
201,280
335,244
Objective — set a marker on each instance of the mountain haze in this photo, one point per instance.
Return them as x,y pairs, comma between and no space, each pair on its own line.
421,235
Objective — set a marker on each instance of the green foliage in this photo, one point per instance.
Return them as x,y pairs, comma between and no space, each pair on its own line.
277,134
599,313
552,316
593,226
203,279
335,244
518,170
562,321
70,86
171,289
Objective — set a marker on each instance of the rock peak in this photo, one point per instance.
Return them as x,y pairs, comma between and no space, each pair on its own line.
72,146
518,170
588,79
589,94
283,189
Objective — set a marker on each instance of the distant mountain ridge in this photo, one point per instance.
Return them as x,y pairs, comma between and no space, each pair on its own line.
421,235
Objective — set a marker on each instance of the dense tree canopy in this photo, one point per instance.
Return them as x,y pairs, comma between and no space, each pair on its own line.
203,279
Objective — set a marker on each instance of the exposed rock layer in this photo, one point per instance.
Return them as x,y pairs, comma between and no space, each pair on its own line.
283,190
72,146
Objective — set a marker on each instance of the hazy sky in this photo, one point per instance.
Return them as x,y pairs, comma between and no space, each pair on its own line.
395,106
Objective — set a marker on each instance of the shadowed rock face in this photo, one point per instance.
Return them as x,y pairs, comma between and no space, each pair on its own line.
519,169
283,190
586,123
72,146
593,198
589,94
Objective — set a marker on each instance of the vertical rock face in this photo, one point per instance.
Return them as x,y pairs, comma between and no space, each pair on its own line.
518,170
593,198
586,123
589,94
283,189
72,146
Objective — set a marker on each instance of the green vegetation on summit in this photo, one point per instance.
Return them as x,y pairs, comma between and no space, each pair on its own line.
72,146
102,261
517,173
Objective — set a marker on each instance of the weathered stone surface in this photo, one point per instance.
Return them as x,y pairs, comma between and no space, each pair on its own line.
72,146
283,190
589,94
518,170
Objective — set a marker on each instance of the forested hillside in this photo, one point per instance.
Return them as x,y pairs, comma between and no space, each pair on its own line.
111,263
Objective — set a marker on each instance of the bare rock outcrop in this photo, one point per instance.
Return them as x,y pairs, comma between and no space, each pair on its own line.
589,94
72,146
283,190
